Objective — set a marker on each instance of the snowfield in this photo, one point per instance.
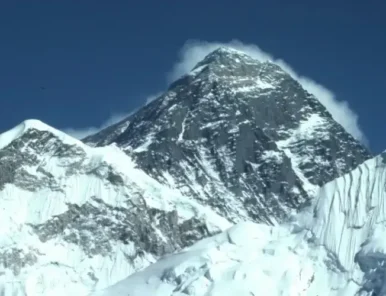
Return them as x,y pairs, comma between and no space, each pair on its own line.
335,247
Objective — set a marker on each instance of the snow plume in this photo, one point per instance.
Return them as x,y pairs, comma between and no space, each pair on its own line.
151,98
81,133
194,51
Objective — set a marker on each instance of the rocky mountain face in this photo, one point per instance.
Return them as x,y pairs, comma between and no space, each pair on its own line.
234,140
75,218
240,136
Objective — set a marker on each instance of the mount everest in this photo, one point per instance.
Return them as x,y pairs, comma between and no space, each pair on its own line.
234,181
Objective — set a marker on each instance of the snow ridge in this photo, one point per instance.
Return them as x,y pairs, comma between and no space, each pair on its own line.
73,217
16,132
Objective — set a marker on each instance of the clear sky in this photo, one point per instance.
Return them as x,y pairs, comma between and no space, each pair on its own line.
77,64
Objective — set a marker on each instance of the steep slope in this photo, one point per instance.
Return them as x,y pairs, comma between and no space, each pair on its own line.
240,136
75,218
335,247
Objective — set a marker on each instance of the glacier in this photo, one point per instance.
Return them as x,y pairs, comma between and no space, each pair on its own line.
334,247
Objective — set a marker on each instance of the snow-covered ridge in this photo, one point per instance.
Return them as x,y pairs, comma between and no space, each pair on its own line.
335,247
72,217
16,132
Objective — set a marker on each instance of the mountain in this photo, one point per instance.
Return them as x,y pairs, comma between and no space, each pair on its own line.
235,140
76,218
239,135
334,247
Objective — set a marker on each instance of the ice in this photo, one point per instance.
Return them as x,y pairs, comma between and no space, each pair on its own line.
334,247
264,84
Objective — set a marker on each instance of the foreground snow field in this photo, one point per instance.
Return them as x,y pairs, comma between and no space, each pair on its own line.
336,247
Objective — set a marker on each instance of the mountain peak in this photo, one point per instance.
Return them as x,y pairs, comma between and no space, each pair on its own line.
32,124
226,50
226,57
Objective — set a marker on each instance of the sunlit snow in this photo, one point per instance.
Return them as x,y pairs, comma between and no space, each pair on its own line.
335,247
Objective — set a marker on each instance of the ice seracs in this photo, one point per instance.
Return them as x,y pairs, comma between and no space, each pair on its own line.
334,247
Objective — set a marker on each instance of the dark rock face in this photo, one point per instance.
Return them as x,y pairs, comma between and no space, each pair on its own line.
16,259
26,151
95,226
373,267
240,136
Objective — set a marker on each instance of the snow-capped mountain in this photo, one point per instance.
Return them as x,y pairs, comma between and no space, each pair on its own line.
75,218
335,247
240,136
234,140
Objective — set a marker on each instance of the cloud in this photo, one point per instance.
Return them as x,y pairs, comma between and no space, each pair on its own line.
81,133
151,98
194,51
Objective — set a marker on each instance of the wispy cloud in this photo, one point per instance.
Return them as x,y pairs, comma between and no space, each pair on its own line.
194,51
81,133
151,98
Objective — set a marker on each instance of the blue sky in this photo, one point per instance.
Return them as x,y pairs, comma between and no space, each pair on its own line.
77,64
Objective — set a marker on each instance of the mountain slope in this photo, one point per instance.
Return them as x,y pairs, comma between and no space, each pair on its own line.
240,136
335,247
75,218
235,140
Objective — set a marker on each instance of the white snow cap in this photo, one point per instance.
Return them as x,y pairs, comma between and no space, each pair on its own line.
19,130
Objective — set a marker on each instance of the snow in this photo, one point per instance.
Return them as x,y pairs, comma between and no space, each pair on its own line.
13,134
62,268
213,124
264,84
351,210
181,135
255,85
148,141
231,50
197,70
334,247
244,260
313,126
